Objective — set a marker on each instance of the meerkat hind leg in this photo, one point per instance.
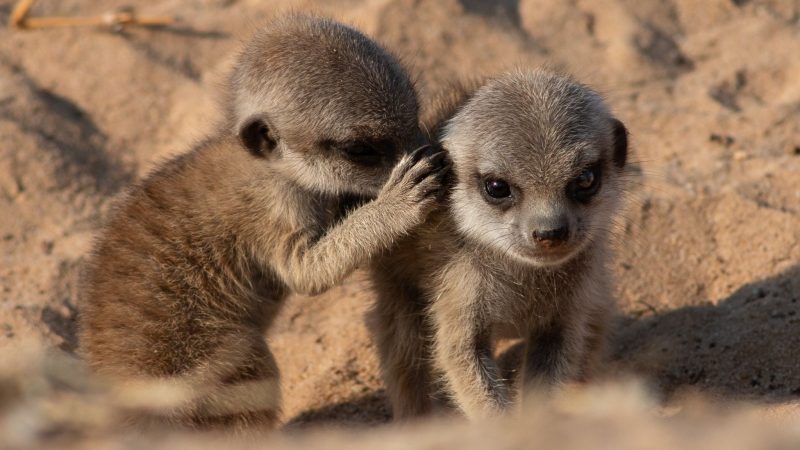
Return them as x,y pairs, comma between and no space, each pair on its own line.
398,325
247,393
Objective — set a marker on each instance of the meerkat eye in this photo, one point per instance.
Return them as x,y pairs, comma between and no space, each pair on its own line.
362,153
497,189
585,180
585,185
263,131
359,150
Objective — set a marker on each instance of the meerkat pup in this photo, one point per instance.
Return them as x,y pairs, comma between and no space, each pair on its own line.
196,261
522,250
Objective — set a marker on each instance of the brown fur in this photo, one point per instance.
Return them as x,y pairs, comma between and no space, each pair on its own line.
474,271
196,261
442,106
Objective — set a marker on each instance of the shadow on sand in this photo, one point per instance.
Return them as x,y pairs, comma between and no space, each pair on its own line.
747,347
364,410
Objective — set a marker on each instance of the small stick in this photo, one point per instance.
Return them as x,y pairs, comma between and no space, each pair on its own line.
112,20
20,12
20,20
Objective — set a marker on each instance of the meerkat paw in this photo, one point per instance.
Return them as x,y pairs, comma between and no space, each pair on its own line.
417,182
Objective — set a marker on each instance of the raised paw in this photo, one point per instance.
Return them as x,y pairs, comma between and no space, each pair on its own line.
418,180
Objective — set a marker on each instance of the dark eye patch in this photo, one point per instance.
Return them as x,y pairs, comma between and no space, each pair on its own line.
586,185
364,152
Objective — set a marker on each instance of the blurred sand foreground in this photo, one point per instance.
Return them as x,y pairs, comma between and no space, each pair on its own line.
709,266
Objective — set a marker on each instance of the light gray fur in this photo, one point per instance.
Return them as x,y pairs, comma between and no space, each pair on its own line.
473,273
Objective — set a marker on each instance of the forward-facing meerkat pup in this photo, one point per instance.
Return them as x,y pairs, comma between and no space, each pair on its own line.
521,251
196,261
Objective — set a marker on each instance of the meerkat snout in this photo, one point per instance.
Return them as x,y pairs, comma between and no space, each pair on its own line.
549,235
548,231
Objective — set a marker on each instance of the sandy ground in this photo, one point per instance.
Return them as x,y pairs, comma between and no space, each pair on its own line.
709,259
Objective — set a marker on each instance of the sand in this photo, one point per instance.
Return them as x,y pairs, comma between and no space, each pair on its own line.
709,254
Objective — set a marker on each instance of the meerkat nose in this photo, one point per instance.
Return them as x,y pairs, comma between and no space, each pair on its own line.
552,237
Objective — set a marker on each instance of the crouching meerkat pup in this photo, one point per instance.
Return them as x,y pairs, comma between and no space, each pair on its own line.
196,261
522,250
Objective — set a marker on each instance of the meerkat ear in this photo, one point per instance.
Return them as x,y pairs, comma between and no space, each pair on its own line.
620,143
257,135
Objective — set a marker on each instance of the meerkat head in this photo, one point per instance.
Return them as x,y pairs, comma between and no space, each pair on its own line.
539,162
326,105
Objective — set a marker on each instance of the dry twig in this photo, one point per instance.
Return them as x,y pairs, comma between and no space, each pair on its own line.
116,20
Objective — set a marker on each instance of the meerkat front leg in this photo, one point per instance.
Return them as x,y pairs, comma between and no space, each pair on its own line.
462,347
544,362
597,330
553,353
310,264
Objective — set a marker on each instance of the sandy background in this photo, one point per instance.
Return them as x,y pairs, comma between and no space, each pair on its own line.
709,264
